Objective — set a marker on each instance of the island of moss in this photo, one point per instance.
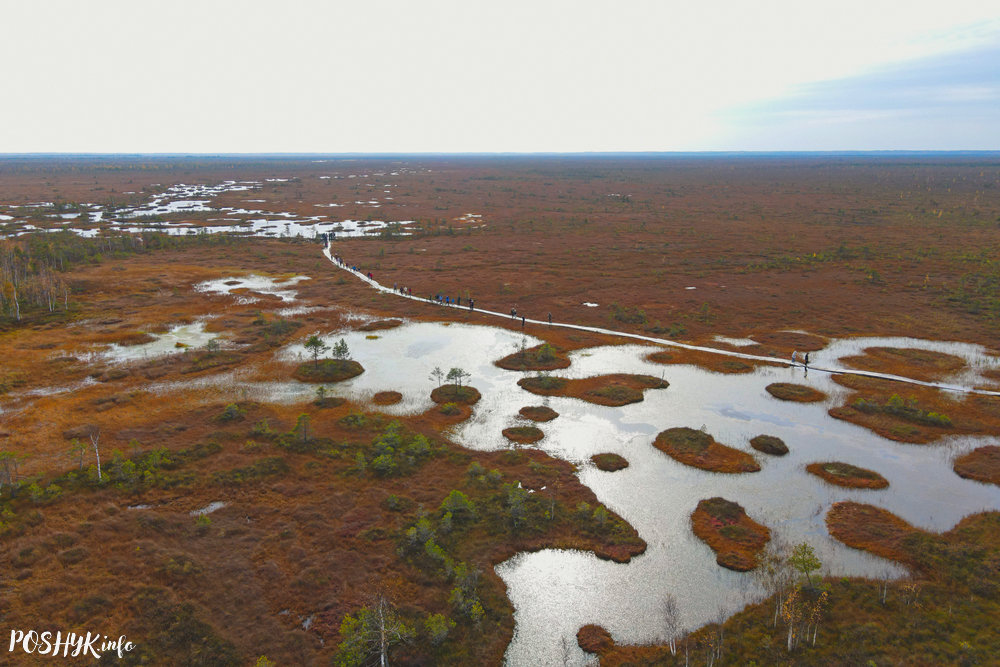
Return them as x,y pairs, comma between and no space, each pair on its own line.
735,538
981,464
380,325
454,393
594,639
328,370
769,444
612,390
799,393
538,413
542,357
710,361
700,450
924,415
609,462
523,434
844,474
387,398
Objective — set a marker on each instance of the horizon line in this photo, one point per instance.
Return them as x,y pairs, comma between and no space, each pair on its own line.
831,153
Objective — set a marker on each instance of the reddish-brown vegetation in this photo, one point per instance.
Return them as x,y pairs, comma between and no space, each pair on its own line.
538,413
735,538
920,414
544,357
387,398
612,390
328,370
787,391
453,393
783,343
844,474
609,462
380,325
717,363
700,450
851,232
594,639
981,464
872,529
769,444
523,434
925,365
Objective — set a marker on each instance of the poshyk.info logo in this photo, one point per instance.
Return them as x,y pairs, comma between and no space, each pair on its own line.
70,645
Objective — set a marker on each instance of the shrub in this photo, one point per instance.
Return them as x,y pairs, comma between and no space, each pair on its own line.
232,412
384,465
354,420
437,627
459,505
628,314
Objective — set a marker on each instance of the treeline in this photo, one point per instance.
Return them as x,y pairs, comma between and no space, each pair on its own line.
32,266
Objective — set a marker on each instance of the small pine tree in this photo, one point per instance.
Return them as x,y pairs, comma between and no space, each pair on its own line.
316,347
340,350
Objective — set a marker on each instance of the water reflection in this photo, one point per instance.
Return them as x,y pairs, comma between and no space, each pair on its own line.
555,592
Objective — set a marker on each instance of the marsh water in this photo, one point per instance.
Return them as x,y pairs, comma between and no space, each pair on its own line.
555,592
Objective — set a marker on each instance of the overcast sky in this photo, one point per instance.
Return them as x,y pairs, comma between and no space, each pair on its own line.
462,75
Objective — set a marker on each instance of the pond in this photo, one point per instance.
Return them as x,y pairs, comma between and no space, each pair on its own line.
555,592
177,339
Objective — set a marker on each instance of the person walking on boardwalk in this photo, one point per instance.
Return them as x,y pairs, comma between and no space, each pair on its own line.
806,363
513,312
522,321
795,357
550,319
472,304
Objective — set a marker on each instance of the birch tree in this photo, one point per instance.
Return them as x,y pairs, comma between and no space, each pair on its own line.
774,573
371,633
671,620
95,438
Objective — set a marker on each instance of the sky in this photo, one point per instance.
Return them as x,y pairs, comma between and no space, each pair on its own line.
403,76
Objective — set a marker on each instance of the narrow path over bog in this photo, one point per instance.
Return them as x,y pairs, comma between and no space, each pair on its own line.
659,341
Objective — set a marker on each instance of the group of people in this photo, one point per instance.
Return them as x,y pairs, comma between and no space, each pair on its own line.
443,299
446,300
805,359
339,261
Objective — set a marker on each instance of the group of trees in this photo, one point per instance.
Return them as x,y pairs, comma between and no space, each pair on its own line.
32,266
785,574
29,280
316,347
454,376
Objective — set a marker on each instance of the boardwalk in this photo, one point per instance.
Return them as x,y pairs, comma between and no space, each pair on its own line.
659,341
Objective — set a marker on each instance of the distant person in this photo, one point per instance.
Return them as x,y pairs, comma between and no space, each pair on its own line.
458,301
807,360
795,356
550,319
472,304
513,313
522,321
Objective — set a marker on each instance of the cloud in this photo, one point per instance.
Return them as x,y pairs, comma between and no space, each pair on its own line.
950,101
